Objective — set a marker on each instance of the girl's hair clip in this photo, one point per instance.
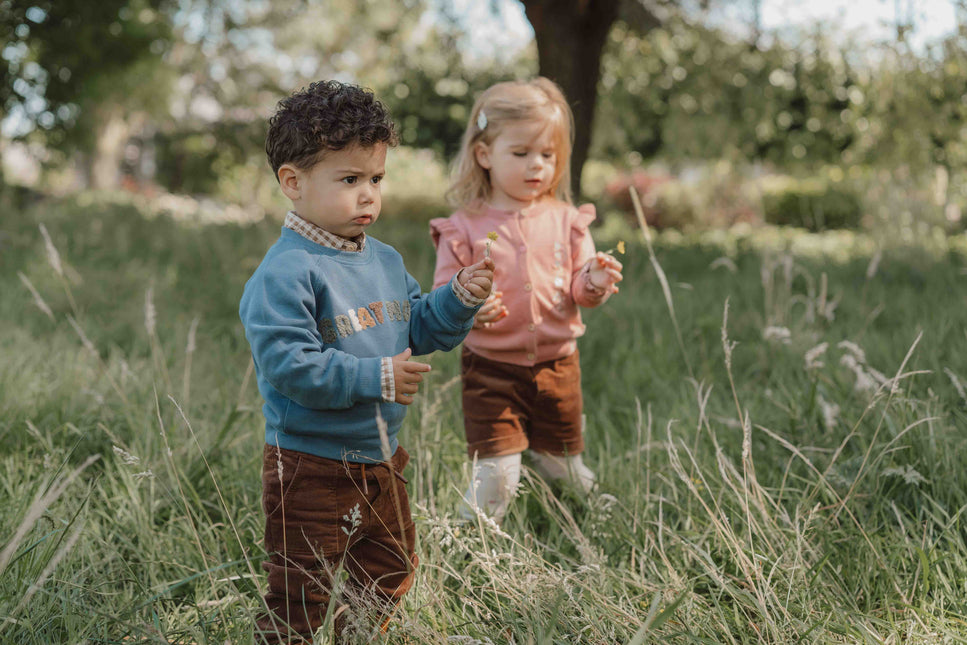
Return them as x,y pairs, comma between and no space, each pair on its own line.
482,120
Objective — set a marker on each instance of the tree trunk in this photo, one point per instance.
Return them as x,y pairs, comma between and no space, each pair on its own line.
570,36
112,135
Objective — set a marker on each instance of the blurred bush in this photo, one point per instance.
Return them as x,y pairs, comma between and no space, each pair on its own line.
415,184
648,185
713,195
415,208
14,197
814,204
909,202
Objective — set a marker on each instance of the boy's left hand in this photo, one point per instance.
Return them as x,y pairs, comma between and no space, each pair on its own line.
478,278
605,272
407,376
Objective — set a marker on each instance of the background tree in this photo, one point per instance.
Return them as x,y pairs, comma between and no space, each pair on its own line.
234,62
433,86
176,92
73,69
777,104
570,36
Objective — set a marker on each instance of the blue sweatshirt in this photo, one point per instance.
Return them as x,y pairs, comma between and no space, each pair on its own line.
319,321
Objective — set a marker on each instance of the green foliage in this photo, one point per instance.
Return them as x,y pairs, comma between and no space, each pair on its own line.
680,92
430,85
62,55
684,92
432,108
915,114
196,161
812,204
419,73
663,95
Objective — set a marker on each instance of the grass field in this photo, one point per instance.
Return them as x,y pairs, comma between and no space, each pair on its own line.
793,471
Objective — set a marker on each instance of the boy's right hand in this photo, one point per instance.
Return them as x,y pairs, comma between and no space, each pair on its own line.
478,278
407,376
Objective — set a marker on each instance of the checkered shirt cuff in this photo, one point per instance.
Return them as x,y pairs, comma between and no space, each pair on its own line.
386,380
466,298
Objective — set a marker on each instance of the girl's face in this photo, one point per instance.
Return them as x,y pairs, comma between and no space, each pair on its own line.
521,160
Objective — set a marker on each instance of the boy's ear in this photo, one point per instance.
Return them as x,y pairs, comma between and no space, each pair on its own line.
290,179
481,153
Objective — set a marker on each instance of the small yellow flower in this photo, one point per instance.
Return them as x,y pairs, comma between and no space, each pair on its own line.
620,248
491,238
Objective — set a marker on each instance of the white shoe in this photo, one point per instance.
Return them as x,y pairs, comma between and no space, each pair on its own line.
493,484
570,468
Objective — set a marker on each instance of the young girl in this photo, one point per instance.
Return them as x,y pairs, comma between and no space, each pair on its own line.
520,369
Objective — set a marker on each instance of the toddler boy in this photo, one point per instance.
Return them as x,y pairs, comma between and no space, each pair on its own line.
332,318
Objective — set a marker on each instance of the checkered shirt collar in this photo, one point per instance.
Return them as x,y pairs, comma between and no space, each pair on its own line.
323,237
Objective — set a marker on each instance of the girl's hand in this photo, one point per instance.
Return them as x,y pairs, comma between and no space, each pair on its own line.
491,311
604,273
407,376
478,278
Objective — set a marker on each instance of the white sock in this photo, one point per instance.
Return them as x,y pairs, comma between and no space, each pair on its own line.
571,468
493,485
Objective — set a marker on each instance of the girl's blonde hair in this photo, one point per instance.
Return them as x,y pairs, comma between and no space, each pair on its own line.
539,99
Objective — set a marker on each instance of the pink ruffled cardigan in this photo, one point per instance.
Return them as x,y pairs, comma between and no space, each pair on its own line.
542,258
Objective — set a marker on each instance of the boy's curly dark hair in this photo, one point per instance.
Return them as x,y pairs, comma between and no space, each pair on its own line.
327,115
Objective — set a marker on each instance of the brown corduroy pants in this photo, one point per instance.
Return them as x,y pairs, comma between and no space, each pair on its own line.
508,408
321,515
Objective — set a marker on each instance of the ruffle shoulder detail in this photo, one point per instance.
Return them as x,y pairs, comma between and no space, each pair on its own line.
444,231
582,218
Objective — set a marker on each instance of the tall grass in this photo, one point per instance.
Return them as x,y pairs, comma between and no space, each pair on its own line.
785,466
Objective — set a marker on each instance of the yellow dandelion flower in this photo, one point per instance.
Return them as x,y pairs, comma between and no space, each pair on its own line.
491,238
619,247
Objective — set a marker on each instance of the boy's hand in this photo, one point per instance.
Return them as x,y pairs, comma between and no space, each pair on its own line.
491,311
407,376
478,278
605,271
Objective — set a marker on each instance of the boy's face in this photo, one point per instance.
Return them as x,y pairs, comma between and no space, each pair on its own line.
341,193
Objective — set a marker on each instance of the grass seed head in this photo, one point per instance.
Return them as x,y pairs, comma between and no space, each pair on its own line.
38,300
383,435
813,356
53,257
150,313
